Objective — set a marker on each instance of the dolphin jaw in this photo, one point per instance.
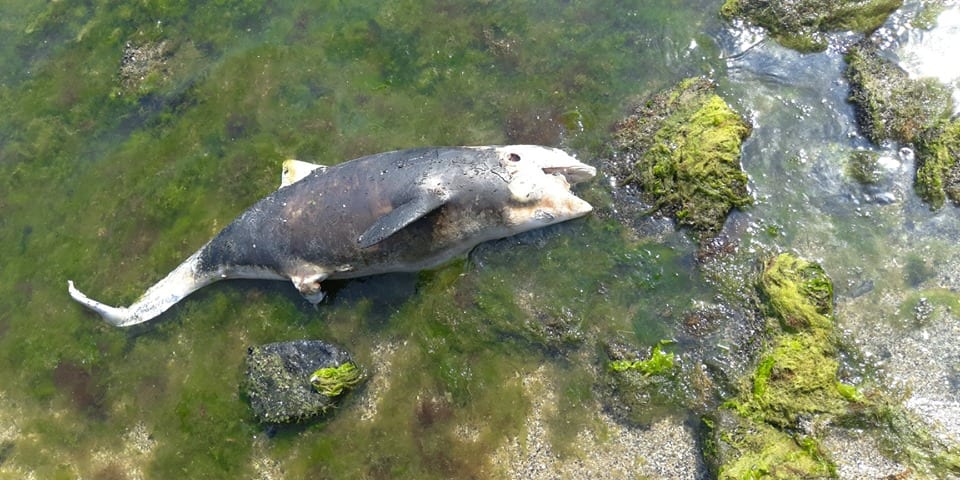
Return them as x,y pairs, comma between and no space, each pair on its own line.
573,174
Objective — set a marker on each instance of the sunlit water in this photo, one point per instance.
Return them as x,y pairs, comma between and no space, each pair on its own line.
114,192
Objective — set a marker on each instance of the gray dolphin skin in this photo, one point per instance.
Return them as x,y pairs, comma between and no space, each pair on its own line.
400,211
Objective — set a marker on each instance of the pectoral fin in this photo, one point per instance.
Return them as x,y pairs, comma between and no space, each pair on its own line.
400,217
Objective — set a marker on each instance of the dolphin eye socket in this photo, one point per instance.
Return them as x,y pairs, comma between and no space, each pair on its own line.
514,157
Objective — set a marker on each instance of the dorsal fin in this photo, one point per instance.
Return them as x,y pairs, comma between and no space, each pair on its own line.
296,170
402,216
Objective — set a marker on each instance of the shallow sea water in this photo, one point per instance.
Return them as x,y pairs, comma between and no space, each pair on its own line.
111,176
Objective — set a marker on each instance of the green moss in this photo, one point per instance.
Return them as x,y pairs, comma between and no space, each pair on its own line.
891,105
332,381
801,25
637,391
795,377
684,150
938,164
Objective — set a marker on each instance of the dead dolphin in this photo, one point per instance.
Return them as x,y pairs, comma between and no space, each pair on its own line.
399,211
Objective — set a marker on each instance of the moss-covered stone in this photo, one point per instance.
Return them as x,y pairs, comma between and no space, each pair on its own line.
799,294
938,164
862,167
280,378
889,104
797,374
801,25
795,378
682,148
742,448
635,387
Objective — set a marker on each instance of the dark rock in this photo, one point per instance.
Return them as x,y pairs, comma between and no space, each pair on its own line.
278,379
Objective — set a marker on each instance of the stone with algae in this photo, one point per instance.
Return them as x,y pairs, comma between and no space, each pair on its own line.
297,380
795,378
802,24
682,148
890,105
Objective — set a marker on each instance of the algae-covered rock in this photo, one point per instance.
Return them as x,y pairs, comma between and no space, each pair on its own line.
682,148
738,447
938,164
795,378
297,380
797,374
863,167
773,426
636,387
801,24
889,104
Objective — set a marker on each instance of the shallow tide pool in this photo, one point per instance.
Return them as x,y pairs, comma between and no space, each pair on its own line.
131,134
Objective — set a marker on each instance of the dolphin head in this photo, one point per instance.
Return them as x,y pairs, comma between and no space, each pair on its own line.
539,181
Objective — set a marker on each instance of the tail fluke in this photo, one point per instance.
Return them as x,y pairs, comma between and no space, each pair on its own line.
120,317
182,281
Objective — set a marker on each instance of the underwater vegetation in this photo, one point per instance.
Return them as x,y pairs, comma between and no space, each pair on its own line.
682,148
635,387
938,163
801,25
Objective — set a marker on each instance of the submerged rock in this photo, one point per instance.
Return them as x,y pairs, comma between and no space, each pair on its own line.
801,24
738,447
682,148
892,106
297,380
636,388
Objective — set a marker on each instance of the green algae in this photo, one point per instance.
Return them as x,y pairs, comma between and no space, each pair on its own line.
683,150
802,25
863,168
747,449
799,294
759,433
637,388
332,381
659,363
